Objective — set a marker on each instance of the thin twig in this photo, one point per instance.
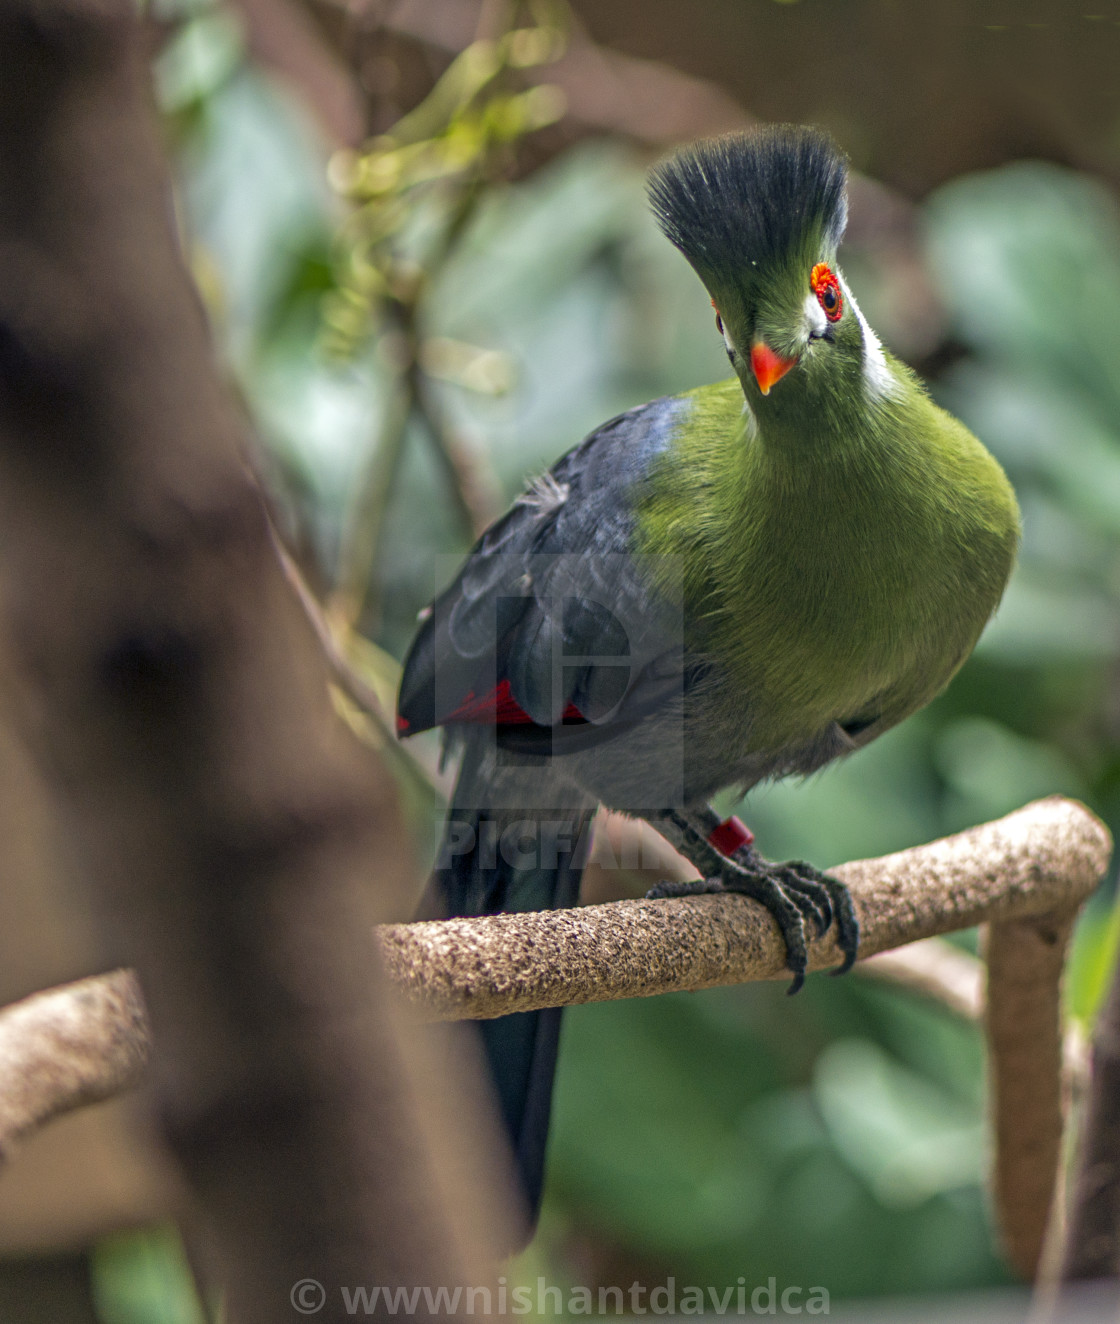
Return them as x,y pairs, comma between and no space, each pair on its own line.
425,777
474,487
355,686
355,596
607,90
358,593
935,969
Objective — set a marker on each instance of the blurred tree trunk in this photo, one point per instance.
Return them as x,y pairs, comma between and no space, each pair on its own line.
238,841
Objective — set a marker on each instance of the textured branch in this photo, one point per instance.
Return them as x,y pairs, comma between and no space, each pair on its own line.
1040,861
68,1047
1028,871
1024,1027
1026,874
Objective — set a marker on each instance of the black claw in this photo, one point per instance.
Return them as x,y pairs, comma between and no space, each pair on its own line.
847,924
793,893
810,895
840,909
788,907
815,896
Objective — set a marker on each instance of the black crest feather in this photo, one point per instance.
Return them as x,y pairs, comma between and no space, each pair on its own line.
750,197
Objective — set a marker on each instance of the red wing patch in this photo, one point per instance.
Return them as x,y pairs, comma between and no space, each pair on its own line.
500,708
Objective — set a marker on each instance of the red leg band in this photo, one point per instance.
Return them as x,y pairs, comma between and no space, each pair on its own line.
730,835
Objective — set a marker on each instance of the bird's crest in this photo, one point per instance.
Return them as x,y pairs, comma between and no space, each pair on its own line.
748,198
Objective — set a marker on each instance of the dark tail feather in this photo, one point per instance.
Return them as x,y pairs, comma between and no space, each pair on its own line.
480,873
522,1053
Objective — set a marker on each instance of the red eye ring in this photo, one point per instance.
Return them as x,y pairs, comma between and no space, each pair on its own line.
827,289
719,320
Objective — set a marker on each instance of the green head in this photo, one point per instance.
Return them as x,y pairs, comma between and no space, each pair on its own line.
760,215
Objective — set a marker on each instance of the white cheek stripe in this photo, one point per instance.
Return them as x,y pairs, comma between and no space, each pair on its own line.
877,375
814,316
750,420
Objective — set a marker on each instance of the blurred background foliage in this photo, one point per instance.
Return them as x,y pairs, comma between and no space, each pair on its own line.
420,319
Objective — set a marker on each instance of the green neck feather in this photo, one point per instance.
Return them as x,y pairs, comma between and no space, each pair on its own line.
824,536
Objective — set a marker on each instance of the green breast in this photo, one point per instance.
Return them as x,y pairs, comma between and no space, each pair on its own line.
843,576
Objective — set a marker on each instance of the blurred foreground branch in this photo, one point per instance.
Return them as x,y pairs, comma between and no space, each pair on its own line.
177,703
67,1047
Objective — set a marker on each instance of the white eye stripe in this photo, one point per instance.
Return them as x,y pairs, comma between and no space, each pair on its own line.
814,316
877,375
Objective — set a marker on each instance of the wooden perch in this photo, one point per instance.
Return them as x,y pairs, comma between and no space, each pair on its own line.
1040,861
1026,1052
1025,875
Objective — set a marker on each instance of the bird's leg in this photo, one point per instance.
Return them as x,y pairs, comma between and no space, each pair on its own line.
792,892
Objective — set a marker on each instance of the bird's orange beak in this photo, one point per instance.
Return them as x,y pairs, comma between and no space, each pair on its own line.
767,366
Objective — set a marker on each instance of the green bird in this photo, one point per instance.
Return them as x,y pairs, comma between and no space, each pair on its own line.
735,584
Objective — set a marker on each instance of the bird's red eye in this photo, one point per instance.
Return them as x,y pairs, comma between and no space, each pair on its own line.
719,320
827,289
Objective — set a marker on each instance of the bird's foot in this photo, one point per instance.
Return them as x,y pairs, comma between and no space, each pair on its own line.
793,892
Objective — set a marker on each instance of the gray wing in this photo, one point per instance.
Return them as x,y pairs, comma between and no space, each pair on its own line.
552,622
